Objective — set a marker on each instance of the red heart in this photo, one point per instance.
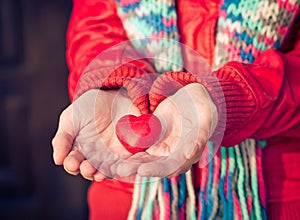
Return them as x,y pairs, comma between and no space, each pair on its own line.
137,134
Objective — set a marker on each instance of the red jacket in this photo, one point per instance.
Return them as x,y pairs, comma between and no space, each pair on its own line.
270,88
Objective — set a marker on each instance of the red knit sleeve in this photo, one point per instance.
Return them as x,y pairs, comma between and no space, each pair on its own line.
262,99
94,27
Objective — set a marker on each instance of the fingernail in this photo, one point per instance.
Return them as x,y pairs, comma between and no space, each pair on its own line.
55,155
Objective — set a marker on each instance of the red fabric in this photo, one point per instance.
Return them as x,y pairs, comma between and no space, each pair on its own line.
94,27
124,76
262,99
110,200
284,211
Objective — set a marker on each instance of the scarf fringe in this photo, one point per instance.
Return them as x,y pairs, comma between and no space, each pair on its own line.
231,187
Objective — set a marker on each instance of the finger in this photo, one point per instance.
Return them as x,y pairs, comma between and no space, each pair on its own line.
101,158
98,176
194,150
195,157
66,124
73,161
88,178
62,144
187,165
63,139
109,168
163,167
117,167
183,169
127,169
87,170
157,169
175,164
129,166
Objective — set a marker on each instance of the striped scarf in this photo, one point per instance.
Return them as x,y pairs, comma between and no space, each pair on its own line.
231,185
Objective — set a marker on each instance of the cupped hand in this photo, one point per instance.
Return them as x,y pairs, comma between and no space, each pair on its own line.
85,141
189,118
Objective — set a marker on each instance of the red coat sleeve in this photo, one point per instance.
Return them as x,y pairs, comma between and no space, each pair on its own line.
263,98
94,26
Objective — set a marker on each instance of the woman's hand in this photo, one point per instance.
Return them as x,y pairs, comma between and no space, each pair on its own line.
189,118
85,141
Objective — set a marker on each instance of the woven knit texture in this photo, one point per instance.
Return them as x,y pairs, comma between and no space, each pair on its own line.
247,28
154,23
231,185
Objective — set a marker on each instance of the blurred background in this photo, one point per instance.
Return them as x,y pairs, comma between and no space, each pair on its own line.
33,92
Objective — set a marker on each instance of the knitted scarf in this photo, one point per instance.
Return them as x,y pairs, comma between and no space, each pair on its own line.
231,185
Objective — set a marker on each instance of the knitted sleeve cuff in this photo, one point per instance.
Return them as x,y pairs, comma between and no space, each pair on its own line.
240,101
136,77
168,83
229,91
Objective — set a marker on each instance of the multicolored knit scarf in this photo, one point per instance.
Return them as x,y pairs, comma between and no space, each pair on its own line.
231,185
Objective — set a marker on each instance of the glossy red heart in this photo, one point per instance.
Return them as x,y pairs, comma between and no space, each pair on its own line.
137,134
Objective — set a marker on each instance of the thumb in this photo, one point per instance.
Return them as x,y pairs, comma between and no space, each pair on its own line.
62,141
71,122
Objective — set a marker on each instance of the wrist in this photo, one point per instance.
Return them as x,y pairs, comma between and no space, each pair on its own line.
201,98
169,83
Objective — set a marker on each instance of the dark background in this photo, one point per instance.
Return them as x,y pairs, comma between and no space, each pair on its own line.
33,92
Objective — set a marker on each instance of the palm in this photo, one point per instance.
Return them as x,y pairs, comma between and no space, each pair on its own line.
89,125
187,124
86,140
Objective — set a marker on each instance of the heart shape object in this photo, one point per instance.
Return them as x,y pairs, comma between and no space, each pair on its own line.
137,134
